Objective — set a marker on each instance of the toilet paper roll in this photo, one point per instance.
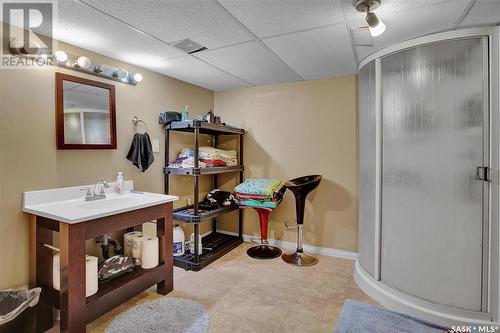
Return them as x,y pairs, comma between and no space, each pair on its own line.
127,242
136,248
91,284
149,252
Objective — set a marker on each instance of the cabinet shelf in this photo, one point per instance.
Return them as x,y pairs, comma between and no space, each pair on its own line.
202,171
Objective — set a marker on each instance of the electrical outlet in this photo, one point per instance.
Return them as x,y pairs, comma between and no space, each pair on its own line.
156,146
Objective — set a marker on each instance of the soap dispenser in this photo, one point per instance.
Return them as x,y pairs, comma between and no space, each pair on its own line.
119,183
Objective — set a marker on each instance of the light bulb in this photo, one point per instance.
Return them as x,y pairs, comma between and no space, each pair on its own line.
137,77
83,62
103,69
377,27
121,74
61,56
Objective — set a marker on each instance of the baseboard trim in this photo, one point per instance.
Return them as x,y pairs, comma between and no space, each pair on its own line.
325,251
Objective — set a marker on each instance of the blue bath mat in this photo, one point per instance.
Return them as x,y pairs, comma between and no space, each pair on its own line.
361,317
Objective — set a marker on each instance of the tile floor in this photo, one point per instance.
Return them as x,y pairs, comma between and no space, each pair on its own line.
242,294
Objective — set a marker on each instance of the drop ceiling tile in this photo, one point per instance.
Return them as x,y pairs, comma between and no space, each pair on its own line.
174,20
395,6
483,12
316,54
405,20
87,28
197,72
251,62
272,17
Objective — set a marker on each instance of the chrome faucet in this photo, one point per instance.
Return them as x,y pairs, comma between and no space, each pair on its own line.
91,195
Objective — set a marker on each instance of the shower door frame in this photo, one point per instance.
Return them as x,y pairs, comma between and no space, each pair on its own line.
491,152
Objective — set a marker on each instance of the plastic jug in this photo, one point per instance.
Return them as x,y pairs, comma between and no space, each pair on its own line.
178,241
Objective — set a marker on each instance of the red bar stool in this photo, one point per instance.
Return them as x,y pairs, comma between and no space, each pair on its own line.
263,250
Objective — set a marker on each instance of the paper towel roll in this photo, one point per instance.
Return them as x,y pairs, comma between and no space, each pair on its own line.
91,276
127,242
149,252
91,285
136,248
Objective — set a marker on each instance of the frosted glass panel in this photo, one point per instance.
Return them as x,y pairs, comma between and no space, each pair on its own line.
432,119
366,98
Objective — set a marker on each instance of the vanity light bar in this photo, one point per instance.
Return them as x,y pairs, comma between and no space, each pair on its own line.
85,65
82,64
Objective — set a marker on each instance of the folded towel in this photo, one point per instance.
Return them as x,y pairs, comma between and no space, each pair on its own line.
276,195
256,203
141,152
259,186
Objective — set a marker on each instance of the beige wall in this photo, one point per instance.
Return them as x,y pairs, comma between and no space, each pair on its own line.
299,129
293,130
29,159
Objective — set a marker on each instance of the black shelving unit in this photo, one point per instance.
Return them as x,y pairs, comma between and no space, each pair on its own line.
215,245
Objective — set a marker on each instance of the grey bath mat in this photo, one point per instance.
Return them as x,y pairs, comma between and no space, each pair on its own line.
361,317
166,314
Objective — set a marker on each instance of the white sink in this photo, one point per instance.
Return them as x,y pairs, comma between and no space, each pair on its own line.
68,204
108,203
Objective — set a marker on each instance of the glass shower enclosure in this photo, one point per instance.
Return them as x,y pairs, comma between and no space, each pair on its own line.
424,122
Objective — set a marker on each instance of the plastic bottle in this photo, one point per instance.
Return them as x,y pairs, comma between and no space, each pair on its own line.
178,241
119,183
191,240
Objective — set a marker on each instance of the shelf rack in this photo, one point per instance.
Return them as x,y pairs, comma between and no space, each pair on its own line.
215,245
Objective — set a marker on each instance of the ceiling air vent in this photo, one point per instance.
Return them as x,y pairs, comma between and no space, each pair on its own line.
189,46
361,36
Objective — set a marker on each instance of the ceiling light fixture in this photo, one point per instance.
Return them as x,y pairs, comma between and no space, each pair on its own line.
377,27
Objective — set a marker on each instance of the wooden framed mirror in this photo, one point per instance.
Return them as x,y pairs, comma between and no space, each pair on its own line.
85,113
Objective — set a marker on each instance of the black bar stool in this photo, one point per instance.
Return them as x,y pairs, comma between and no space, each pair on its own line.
300,188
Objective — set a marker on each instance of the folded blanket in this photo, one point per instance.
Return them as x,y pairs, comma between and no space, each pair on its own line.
255,203
276,195
229,157
213,162
265,187
185,162
266,204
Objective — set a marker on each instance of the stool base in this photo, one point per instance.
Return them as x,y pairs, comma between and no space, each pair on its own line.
264,251
299,259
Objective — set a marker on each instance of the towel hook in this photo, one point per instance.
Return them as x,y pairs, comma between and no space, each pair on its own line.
136,121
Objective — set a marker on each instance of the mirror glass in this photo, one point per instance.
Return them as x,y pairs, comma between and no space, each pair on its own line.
85,114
